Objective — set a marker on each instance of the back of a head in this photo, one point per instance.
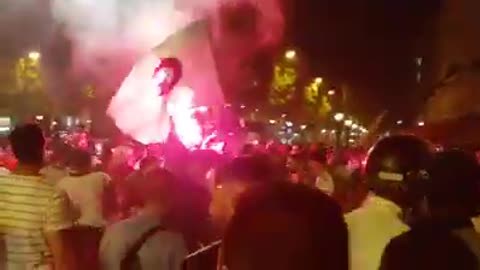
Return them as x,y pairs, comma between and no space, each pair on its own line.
247,169
318,155
28,143
286,227
396,168
454,183
158,186
149,161
80,160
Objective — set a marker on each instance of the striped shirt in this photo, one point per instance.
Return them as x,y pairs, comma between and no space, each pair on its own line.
29,207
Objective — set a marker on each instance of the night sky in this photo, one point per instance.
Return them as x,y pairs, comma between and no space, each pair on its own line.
369,44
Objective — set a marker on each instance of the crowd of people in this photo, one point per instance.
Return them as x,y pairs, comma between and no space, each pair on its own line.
402,205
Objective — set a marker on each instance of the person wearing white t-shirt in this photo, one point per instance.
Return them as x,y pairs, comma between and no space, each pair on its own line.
393,171
85,190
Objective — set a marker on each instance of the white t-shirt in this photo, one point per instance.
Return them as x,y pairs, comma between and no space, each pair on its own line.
370,228
86,194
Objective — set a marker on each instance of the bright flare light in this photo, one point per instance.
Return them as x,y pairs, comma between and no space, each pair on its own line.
331,92
339,117
290,54
421,124
34,55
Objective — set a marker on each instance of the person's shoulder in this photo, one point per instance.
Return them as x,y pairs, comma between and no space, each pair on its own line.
99,176
24,181
171,236
357,215
420,235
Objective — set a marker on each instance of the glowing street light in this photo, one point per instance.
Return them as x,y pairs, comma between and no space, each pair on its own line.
324,131
354,126
290,54
331,92
272,121
34,55
339,117
319,80
348,122
421,124
399,122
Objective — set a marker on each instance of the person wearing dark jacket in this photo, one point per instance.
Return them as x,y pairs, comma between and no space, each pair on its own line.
444,236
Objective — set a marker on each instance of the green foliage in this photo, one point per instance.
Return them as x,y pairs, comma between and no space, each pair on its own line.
318,103
28,75
283,84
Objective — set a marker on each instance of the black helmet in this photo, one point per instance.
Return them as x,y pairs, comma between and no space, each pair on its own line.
396,168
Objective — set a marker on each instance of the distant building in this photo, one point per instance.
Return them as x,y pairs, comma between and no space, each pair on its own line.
455,75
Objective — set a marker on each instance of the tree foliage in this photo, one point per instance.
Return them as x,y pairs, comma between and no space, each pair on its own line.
31,96
283,84
317,102
28,75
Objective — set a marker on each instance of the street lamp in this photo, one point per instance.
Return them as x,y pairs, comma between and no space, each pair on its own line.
331,92
399,122
319,80
421,124
290,54
354,126
34,55
348,122
339,117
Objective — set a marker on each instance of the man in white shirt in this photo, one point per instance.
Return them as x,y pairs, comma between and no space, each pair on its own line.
394,173
85,190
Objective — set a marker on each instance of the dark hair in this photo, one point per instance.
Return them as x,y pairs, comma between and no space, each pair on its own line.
319,155
247,169
156,185
454,182
79,159
286,227
149,161
28,144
